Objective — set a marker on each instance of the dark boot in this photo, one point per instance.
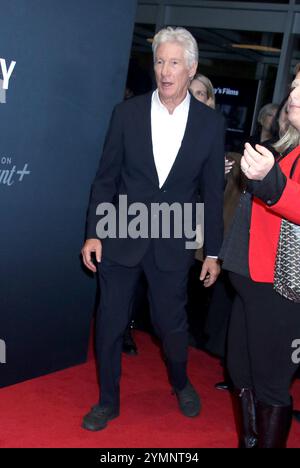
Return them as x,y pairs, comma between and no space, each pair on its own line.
273,424
246,418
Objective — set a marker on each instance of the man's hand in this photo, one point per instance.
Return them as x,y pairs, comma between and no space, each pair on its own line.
90,246
210,271
256,163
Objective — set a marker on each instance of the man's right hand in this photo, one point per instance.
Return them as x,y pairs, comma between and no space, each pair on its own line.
90,246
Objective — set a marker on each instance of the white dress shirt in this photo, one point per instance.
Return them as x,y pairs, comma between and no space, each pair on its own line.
167,133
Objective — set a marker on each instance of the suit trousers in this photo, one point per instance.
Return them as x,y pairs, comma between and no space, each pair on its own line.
167,294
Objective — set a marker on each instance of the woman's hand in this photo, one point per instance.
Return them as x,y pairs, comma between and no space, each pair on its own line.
256,163
228,165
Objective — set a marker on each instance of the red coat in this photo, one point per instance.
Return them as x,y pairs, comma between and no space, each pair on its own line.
266,221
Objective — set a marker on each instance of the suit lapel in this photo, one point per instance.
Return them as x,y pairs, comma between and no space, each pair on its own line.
191,127
188,134
146,130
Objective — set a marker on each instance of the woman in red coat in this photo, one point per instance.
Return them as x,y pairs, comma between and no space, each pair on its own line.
264,324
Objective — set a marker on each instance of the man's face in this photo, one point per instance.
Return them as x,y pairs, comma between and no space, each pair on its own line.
294,103
171,71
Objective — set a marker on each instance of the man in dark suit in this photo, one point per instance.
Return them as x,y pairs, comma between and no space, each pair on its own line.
161,149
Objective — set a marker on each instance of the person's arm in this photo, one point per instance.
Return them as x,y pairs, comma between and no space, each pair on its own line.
270,189
286,205
104,187
213,198
212,180
267,182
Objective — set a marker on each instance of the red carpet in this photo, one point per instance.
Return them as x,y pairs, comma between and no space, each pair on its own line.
47,412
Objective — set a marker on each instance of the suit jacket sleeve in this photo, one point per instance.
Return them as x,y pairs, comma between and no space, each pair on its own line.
105,184
213,192
280,194
288,205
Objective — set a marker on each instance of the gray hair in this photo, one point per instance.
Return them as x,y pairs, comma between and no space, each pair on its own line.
183,37
297,68
264,111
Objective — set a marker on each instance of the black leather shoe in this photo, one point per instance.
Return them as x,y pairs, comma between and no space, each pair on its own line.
188,400
296,414
223,386
98,417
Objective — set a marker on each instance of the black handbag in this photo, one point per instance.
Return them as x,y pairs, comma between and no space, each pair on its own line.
287,264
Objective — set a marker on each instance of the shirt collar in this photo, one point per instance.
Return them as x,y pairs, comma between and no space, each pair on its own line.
183,106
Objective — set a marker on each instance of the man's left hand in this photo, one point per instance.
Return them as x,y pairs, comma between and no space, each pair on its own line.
210,271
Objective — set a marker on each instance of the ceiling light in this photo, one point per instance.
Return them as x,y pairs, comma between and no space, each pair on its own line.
260,48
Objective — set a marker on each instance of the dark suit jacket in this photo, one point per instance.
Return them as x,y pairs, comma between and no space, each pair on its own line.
127,167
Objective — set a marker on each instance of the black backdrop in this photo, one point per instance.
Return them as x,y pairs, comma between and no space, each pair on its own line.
71,64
